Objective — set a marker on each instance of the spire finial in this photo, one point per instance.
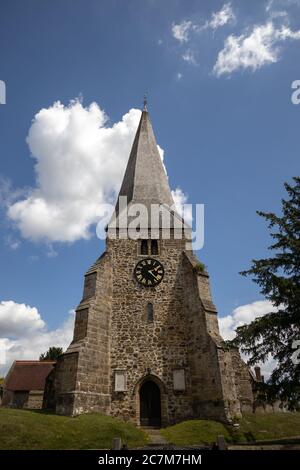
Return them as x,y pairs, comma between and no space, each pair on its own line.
145,102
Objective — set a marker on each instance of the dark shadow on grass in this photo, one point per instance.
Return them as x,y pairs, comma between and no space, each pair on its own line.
43,412
249,437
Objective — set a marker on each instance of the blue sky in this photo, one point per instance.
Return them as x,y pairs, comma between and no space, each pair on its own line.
221,112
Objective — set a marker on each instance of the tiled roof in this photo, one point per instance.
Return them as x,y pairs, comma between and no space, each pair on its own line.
28,375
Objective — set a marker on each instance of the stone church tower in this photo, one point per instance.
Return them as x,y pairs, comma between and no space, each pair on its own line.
146,343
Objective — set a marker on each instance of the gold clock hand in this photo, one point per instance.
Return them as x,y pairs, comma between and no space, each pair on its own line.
150,271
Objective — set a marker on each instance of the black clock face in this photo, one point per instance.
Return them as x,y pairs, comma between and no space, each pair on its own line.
149,272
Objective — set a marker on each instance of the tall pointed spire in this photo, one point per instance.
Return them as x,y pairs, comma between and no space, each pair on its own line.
145,180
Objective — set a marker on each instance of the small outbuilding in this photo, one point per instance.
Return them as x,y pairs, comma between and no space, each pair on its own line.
24,384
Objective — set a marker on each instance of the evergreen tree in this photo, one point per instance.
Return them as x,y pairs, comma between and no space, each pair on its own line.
278,277
52,354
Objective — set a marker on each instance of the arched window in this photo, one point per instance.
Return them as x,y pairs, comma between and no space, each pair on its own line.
154,247
150,312
144,247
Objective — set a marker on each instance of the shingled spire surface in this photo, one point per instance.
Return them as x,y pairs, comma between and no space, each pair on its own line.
145,180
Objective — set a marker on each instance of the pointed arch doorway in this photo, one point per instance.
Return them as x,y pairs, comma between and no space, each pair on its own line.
150,404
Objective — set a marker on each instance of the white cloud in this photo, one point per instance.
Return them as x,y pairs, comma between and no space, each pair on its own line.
181,30
267,367
222,17
51,253
189,57
245,314
180,199
254,50
242,315
12,242
17,319
79,164
14,245
7,194
269,5
24,334
179,76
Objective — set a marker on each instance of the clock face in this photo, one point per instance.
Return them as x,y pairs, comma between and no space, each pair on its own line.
149,272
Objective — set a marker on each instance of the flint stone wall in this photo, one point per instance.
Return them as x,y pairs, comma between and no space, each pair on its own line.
112,333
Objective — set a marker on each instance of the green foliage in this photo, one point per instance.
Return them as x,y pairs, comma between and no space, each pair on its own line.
52,354
23,429
253,427
279,280
200,267
1,380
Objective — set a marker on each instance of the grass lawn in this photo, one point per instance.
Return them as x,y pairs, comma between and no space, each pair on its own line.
260,427
25,429
193,432
253,427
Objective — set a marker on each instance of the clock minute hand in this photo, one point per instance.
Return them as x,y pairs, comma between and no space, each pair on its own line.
150,271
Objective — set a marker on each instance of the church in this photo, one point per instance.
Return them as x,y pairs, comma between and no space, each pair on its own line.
146,345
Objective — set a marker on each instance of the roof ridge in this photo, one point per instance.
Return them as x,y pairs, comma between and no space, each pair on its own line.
34,361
